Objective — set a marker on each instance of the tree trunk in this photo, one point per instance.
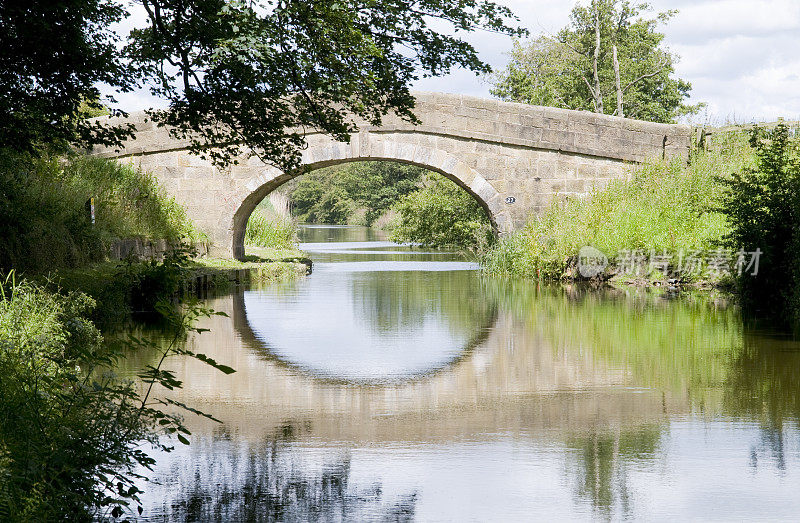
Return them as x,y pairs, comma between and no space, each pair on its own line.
620,110
598,96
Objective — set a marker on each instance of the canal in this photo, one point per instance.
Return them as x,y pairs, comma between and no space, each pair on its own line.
398,383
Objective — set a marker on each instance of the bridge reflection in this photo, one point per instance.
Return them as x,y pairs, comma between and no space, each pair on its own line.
509,379
577,396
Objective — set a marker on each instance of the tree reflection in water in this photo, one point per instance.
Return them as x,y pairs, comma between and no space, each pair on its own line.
630,387
224,478
399,301
762,385
598,463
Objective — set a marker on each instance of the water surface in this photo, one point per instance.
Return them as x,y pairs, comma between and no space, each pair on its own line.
396,383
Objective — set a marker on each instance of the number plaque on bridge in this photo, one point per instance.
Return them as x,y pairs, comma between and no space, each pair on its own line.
510,199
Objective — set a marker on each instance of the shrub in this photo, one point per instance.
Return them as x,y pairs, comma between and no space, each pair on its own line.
58,427
762,204
441,214
71,432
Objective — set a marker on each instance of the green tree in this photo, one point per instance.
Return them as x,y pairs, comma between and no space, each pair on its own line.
242,75
442,214
338,194
608,60
52,56
762,205
258,73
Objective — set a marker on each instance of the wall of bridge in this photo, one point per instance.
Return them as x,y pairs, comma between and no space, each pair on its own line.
513,158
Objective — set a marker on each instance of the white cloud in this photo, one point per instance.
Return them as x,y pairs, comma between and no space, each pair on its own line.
702,21
740,55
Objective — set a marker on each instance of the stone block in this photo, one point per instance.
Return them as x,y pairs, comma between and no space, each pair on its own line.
553,137
423,156
577,186
587,143
557,123
404,151
449,164
438,159
530,120
374,148
546,169
463,173
482,189
532,134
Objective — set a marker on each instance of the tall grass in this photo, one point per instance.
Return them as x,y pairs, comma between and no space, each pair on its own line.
267,229
44,222
664,206
129,202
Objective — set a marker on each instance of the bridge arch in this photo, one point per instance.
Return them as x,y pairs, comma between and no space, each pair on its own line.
367,147
512,158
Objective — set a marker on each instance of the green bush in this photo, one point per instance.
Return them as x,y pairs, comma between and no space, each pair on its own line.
665,206
265,229
441,214
64,436
44,223
72,434
762,204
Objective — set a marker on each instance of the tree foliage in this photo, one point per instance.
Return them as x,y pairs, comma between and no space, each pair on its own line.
53,55
762,205
442,214
259,73
243,75
73,434
338,195
575,69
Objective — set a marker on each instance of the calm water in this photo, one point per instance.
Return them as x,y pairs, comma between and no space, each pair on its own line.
398,384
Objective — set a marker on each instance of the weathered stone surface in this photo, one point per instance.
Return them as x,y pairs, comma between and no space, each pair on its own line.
513,158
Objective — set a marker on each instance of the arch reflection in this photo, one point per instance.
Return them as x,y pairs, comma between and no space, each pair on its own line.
368,336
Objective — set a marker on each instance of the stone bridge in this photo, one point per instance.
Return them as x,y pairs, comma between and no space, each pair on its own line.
512,158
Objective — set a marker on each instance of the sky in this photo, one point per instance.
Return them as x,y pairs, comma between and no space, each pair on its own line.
741,56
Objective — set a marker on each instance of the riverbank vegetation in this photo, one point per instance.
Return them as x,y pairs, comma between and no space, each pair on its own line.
267,229
441,214
73,435
740,199
45,222
665,207
762,204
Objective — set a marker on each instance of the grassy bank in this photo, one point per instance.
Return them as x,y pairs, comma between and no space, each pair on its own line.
269,230
669,208
47,234
44,221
